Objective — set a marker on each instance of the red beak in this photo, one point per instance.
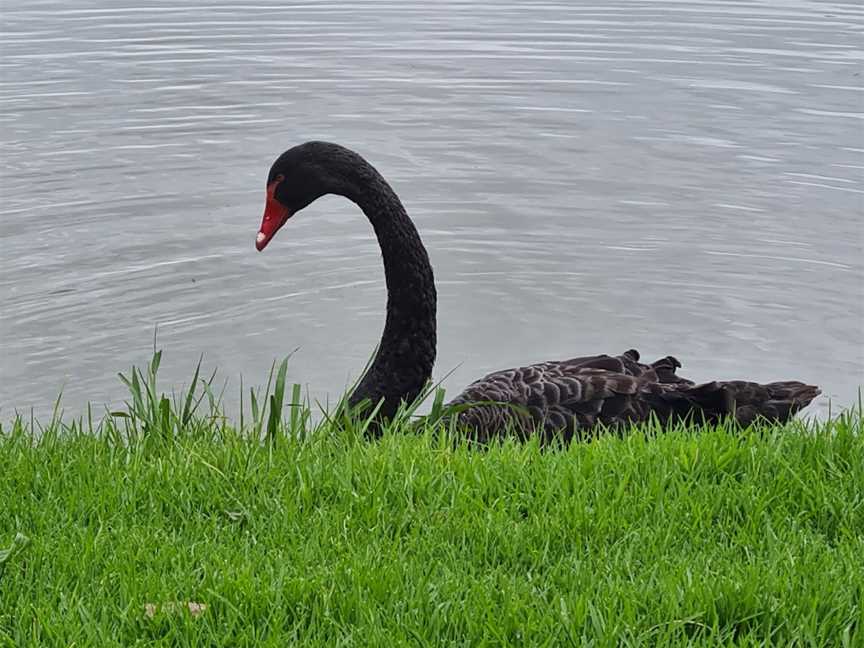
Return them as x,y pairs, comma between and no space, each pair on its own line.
275,216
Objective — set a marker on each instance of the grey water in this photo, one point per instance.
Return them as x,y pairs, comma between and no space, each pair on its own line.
679,176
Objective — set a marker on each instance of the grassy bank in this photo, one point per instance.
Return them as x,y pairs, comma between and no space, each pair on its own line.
689,537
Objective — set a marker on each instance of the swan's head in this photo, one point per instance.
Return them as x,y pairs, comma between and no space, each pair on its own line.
298,177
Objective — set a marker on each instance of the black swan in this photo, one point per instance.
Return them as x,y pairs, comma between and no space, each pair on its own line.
576,397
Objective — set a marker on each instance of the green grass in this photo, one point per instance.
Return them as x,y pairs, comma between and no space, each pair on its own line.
314,536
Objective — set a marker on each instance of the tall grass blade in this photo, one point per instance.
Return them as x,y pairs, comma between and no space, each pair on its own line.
276,401
296,419
242,406
190,395
255,412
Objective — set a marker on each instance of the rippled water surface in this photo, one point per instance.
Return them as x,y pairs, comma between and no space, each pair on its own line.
682,177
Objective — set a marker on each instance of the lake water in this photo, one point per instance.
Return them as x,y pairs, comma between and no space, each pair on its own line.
678,176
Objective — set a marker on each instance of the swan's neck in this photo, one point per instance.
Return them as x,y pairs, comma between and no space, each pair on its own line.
403,364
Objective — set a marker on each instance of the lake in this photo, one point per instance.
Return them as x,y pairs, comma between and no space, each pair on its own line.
682,177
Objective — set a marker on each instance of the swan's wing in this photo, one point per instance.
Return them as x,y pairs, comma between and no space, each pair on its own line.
573,397
568,396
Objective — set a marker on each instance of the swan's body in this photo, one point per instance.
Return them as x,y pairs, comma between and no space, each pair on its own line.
578,397
569,397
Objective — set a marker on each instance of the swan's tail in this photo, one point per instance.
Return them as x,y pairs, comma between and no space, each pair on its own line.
777,401
746,401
